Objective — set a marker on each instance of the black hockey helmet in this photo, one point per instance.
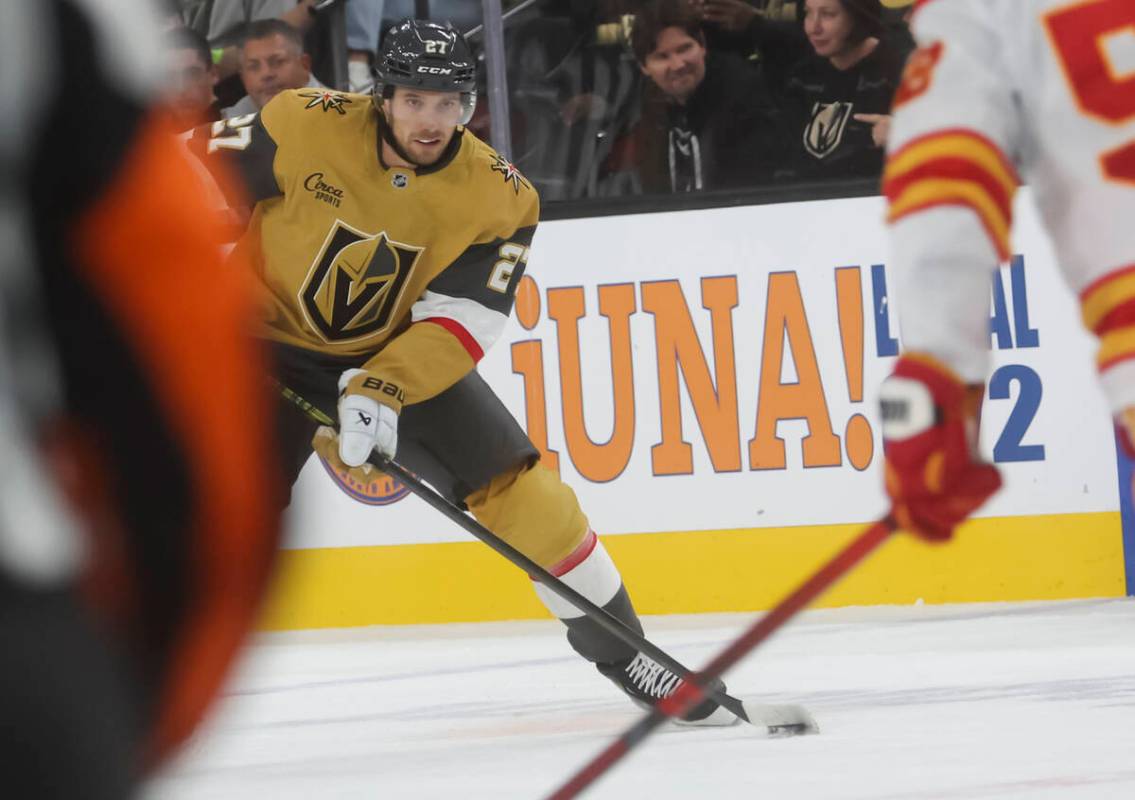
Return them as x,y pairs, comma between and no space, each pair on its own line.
426,55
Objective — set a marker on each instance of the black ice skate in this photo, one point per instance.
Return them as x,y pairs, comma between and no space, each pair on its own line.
646,681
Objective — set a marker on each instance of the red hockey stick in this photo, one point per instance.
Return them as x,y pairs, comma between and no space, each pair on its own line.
692,690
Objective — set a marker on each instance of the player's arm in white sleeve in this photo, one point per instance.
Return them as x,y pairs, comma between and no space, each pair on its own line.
949,182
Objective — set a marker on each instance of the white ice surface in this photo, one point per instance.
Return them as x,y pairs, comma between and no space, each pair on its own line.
948,702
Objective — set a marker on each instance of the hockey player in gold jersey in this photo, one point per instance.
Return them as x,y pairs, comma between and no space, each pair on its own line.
390,241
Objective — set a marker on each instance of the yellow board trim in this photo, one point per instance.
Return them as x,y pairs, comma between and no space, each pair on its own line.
1000,559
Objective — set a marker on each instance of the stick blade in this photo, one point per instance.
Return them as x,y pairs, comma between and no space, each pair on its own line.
779,721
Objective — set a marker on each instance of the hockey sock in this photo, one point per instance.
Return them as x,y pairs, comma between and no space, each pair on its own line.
591,572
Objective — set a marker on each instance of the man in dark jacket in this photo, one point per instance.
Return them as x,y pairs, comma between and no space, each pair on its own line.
708,121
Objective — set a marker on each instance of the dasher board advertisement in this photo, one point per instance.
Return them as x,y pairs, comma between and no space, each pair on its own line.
707,383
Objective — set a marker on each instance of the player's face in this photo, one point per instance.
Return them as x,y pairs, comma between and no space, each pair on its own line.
270,65
423,122
676,64
828,26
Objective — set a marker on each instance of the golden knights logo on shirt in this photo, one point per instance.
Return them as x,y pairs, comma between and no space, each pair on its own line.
824,132
355,282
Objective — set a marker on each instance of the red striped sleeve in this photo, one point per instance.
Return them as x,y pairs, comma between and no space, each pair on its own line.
953,169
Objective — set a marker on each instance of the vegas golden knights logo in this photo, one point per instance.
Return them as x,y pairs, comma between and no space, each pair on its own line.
825,130
355,282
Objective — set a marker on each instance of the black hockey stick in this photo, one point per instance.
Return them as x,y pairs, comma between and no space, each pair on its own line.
780,720
691,692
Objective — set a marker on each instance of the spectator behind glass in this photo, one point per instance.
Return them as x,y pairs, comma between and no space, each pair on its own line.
364,27
271,60
574,91
192,76
464,14
707,119
836,78
222,22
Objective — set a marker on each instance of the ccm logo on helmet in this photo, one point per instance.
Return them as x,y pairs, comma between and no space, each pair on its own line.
436,70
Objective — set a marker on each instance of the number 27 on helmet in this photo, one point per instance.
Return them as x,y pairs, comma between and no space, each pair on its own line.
426,55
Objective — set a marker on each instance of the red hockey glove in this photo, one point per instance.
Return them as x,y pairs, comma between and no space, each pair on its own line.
933,474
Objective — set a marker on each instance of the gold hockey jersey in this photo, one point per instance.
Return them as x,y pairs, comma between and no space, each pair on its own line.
411,271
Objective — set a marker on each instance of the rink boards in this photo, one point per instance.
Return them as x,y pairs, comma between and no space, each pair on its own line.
705,381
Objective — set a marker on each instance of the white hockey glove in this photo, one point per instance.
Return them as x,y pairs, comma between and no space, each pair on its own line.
368,422
368,416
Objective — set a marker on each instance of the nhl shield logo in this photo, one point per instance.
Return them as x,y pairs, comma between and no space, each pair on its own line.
824,132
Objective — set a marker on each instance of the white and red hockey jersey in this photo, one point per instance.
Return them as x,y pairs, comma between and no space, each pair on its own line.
999,92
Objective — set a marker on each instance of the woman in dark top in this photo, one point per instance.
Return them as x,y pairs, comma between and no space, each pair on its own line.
834,77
